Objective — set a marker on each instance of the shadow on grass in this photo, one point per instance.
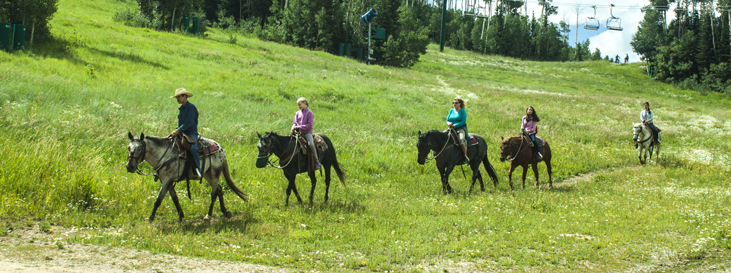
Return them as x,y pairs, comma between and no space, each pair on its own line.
239,223
61,48
129,57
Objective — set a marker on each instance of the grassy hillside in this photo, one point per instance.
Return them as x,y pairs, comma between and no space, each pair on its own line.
66,108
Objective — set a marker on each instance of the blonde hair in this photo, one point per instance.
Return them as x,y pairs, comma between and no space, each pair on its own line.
302,99
461,102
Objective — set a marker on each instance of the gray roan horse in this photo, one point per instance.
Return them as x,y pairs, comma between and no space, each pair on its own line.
162,155
645,142
449,155
290,159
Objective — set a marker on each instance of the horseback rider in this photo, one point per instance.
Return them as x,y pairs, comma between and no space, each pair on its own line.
646,117
303,120
529,126
188,125
457,119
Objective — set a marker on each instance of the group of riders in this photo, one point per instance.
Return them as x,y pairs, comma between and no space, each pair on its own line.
304,120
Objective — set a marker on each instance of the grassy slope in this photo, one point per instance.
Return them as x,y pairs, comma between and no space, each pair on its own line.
67,106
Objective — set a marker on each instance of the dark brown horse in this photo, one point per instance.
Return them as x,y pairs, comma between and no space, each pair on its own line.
517,150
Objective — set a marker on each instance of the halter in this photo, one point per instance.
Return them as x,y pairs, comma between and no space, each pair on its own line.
269,153
443,148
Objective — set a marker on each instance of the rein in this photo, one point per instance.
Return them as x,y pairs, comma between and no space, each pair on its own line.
519,150
443,148
643,134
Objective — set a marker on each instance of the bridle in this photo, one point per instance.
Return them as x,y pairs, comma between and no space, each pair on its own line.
269,151
428,143
141,158
641,132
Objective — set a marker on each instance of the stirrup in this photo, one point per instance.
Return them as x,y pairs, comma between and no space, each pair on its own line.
195,175
539,155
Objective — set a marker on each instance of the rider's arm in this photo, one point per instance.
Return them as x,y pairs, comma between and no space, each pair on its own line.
307,121
295,124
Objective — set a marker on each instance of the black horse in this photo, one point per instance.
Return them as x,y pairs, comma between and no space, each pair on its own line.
289,161
449,155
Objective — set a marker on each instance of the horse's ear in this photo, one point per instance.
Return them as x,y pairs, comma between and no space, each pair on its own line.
502,138
257,133
419,132
130,136
142,136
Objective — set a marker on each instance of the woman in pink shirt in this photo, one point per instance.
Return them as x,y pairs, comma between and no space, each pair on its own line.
529,126
303,121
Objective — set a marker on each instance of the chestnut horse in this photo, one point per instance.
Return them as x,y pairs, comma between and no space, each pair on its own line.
517,150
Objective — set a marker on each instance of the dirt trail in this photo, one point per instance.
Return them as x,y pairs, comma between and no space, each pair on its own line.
34,251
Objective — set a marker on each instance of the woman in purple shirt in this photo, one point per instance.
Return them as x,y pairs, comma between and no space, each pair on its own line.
303,120
529,126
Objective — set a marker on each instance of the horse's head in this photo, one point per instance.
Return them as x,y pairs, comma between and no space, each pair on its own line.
265,149
135,152
423,147
636,131
506,149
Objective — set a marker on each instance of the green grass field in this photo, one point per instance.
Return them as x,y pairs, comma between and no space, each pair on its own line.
66,108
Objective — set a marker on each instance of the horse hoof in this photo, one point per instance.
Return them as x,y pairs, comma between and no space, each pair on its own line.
180,220
207,218
152,218
228,214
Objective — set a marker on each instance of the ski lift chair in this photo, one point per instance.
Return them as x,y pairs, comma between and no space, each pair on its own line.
591,22
614,23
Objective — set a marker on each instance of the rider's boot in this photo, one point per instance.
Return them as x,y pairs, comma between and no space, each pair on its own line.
464,150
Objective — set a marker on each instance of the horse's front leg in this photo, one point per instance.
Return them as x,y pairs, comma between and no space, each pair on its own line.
447,172
174,196
313,180
525,172
166,185
442,171
639,153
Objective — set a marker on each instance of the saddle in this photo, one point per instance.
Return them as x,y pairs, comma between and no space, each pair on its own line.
304,148
206,147
455,137
540,141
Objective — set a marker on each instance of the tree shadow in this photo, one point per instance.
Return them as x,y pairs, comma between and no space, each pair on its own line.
60,48
129,57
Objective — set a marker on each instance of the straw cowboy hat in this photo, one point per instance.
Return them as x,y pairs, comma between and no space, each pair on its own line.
182,91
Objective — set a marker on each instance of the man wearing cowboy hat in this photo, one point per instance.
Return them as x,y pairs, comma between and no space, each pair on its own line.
188,124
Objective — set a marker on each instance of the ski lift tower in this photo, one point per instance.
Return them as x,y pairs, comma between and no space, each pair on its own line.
614,23
662,9
591,22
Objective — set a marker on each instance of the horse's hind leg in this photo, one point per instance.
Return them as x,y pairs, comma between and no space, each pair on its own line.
548,168
214,194
327,182
535,172
313,180
174,196
225,212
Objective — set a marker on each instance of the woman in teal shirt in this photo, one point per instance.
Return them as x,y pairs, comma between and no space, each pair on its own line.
457,119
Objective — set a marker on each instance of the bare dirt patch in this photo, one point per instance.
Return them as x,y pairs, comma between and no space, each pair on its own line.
31,250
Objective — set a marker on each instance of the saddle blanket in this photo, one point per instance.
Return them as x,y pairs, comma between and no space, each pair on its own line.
211,147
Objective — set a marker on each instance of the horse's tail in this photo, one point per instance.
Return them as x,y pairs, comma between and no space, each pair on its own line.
230,182
339,172
490,170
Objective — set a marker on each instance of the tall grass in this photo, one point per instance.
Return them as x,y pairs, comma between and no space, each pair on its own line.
67,107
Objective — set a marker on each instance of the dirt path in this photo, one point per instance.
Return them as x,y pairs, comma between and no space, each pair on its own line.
31,250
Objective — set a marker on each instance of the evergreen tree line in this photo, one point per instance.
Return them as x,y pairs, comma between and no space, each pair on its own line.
693,48
34,14
410,25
